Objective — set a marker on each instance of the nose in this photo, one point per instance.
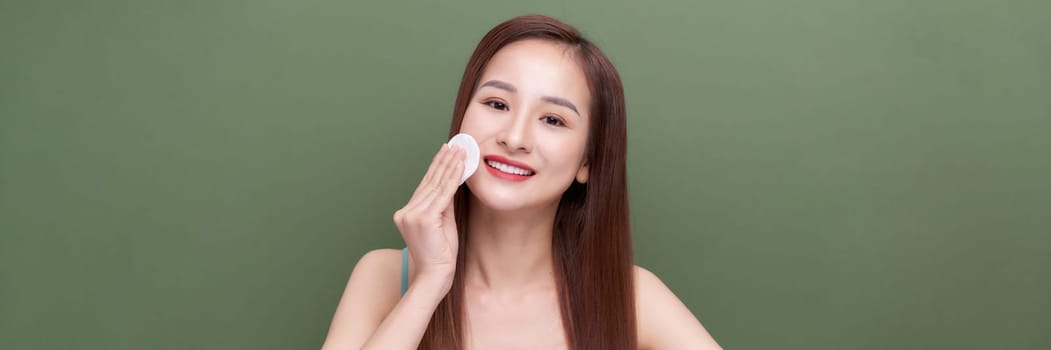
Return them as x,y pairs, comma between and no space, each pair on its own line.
516,135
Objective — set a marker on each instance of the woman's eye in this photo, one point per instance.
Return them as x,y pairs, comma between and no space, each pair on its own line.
497,105
553,121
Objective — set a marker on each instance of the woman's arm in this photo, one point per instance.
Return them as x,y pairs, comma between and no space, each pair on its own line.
370,313
664,322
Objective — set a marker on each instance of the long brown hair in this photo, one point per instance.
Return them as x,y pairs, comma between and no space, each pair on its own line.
593,257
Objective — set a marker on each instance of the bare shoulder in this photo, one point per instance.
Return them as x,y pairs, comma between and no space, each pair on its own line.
664,322
380,263
371,293
378,271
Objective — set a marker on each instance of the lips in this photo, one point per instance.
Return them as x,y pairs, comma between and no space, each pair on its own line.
507,169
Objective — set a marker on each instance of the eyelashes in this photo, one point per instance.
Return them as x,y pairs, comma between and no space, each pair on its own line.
547,119
550,120
497,105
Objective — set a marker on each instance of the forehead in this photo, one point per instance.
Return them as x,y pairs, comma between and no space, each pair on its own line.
538,67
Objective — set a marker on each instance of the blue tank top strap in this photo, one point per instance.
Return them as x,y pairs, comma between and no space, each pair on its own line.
404,270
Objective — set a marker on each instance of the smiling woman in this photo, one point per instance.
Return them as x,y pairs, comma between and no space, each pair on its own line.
534,252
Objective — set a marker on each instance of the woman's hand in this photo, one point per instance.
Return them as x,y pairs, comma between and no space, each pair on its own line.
428,223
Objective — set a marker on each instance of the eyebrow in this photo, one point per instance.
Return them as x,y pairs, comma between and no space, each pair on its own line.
561,102
503,85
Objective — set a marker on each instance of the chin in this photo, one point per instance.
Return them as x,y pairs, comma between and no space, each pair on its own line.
498,200
507,199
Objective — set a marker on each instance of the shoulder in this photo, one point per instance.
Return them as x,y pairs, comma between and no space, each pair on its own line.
645,278
649,289
664,322
372,291
378,274
379,261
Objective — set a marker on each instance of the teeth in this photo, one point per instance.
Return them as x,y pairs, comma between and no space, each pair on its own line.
509,169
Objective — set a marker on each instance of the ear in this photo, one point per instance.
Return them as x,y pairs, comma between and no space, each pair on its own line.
582,174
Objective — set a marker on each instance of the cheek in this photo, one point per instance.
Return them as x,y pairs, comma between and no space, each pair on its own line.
478,123
469,124
565,150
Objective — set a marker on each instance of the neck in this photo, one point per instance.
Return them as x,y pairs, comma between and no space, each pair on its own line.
510,251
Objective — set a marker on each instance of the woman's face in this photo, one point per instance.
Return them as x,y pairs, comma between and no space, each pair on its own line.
529,114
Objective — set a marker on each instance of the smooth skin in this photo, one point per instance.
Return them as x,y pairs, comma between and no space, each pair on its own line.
531,107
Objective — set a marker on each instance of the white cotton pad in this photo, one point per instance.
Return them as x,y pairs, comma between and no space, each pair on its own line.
470,162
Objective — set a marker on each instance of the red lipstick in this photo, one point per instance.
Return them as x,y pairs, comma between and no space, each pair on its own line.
507,176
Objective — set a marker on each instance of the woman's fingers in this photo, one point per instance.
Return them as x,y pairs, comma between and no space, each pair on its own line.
443,169
444,177
450,181
427,222
435,164
424,192
449,223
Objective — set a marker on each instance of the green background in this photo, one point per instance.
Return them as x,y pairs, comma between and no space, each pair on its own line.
813,174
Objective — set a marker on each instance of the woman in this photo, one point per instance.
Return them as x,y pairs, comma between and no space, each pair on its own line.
534,252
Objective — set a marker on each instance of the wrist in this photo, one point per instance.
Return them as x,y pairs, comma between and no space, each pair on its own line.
433,283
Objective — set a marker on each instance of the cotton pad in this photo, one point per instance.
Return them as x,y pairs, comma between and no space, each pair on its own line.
470,162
